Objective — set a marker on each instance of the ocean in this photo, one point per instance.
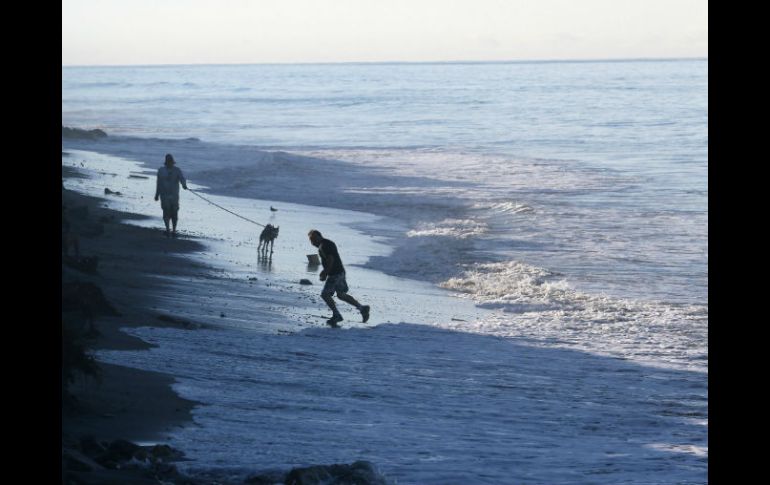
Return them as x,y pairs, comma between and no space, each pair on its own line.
534,236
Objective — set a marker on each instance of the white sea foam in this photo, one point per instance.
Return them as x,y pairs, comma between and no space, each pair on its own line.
510,280
534,302
459,228
505,207
698,451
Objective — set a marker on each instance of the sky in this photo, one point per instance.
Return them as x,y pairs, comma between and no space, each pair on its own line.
147,32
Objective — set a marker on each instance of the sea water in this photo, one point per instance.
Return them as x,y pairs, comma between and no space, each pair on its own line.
565,202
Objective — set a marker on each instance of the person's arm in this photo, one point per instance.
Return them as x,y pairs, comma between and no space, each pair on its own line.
157,185
182,179
329,260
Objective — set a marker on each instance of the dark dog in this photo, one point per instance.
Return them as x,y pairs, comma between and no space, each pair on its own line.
268,235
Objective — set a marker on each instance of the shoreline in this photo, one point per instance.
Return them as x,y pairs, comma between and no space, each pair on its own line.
218,268
123,403
137,408
141,272
264,296
319,190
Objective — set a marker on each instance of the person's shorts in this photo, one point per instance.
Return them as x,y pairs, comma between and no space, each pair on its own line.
169,203
335,282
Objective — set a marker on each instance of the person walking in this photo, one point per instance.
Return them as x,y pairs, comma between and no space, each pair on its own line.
167,188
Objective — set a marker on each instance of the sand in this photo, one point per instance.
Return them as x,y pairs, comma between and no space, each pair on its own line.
125,403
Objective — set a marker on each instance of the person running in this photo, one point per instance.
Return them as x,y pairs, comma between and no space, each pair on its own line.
334,275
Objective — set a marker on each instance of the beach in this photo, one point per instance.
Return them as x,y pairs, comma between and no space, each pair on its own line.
116,425
143,280
246,380
124,402
532,239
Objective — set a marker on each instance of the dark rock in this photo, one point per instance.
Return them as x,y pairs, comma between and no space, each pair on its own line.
304,281
83,134
266,478
312,475
110,192
123,462
142,454
165,453
358,473
117,454
91,447
123,450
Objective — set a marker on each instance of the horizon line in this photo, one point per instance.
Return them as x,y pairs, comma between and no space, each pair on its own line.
501,61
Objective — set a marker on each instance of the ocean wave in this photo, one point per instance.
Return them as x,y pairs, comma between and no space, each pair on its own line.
505,207
457,228
511,280
533,301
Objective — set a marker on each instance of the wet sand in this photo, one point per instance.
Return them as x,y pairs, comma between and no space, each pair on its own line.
123,403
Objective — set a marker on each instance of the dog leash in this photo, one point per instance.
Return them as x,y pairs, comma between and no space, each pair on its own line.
226,210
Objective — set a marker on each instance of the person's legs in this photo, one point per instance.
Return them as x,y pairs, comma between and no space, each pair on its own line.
364,309
166,206
166,218
326,294
330,303
341,285
174,213
349,299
